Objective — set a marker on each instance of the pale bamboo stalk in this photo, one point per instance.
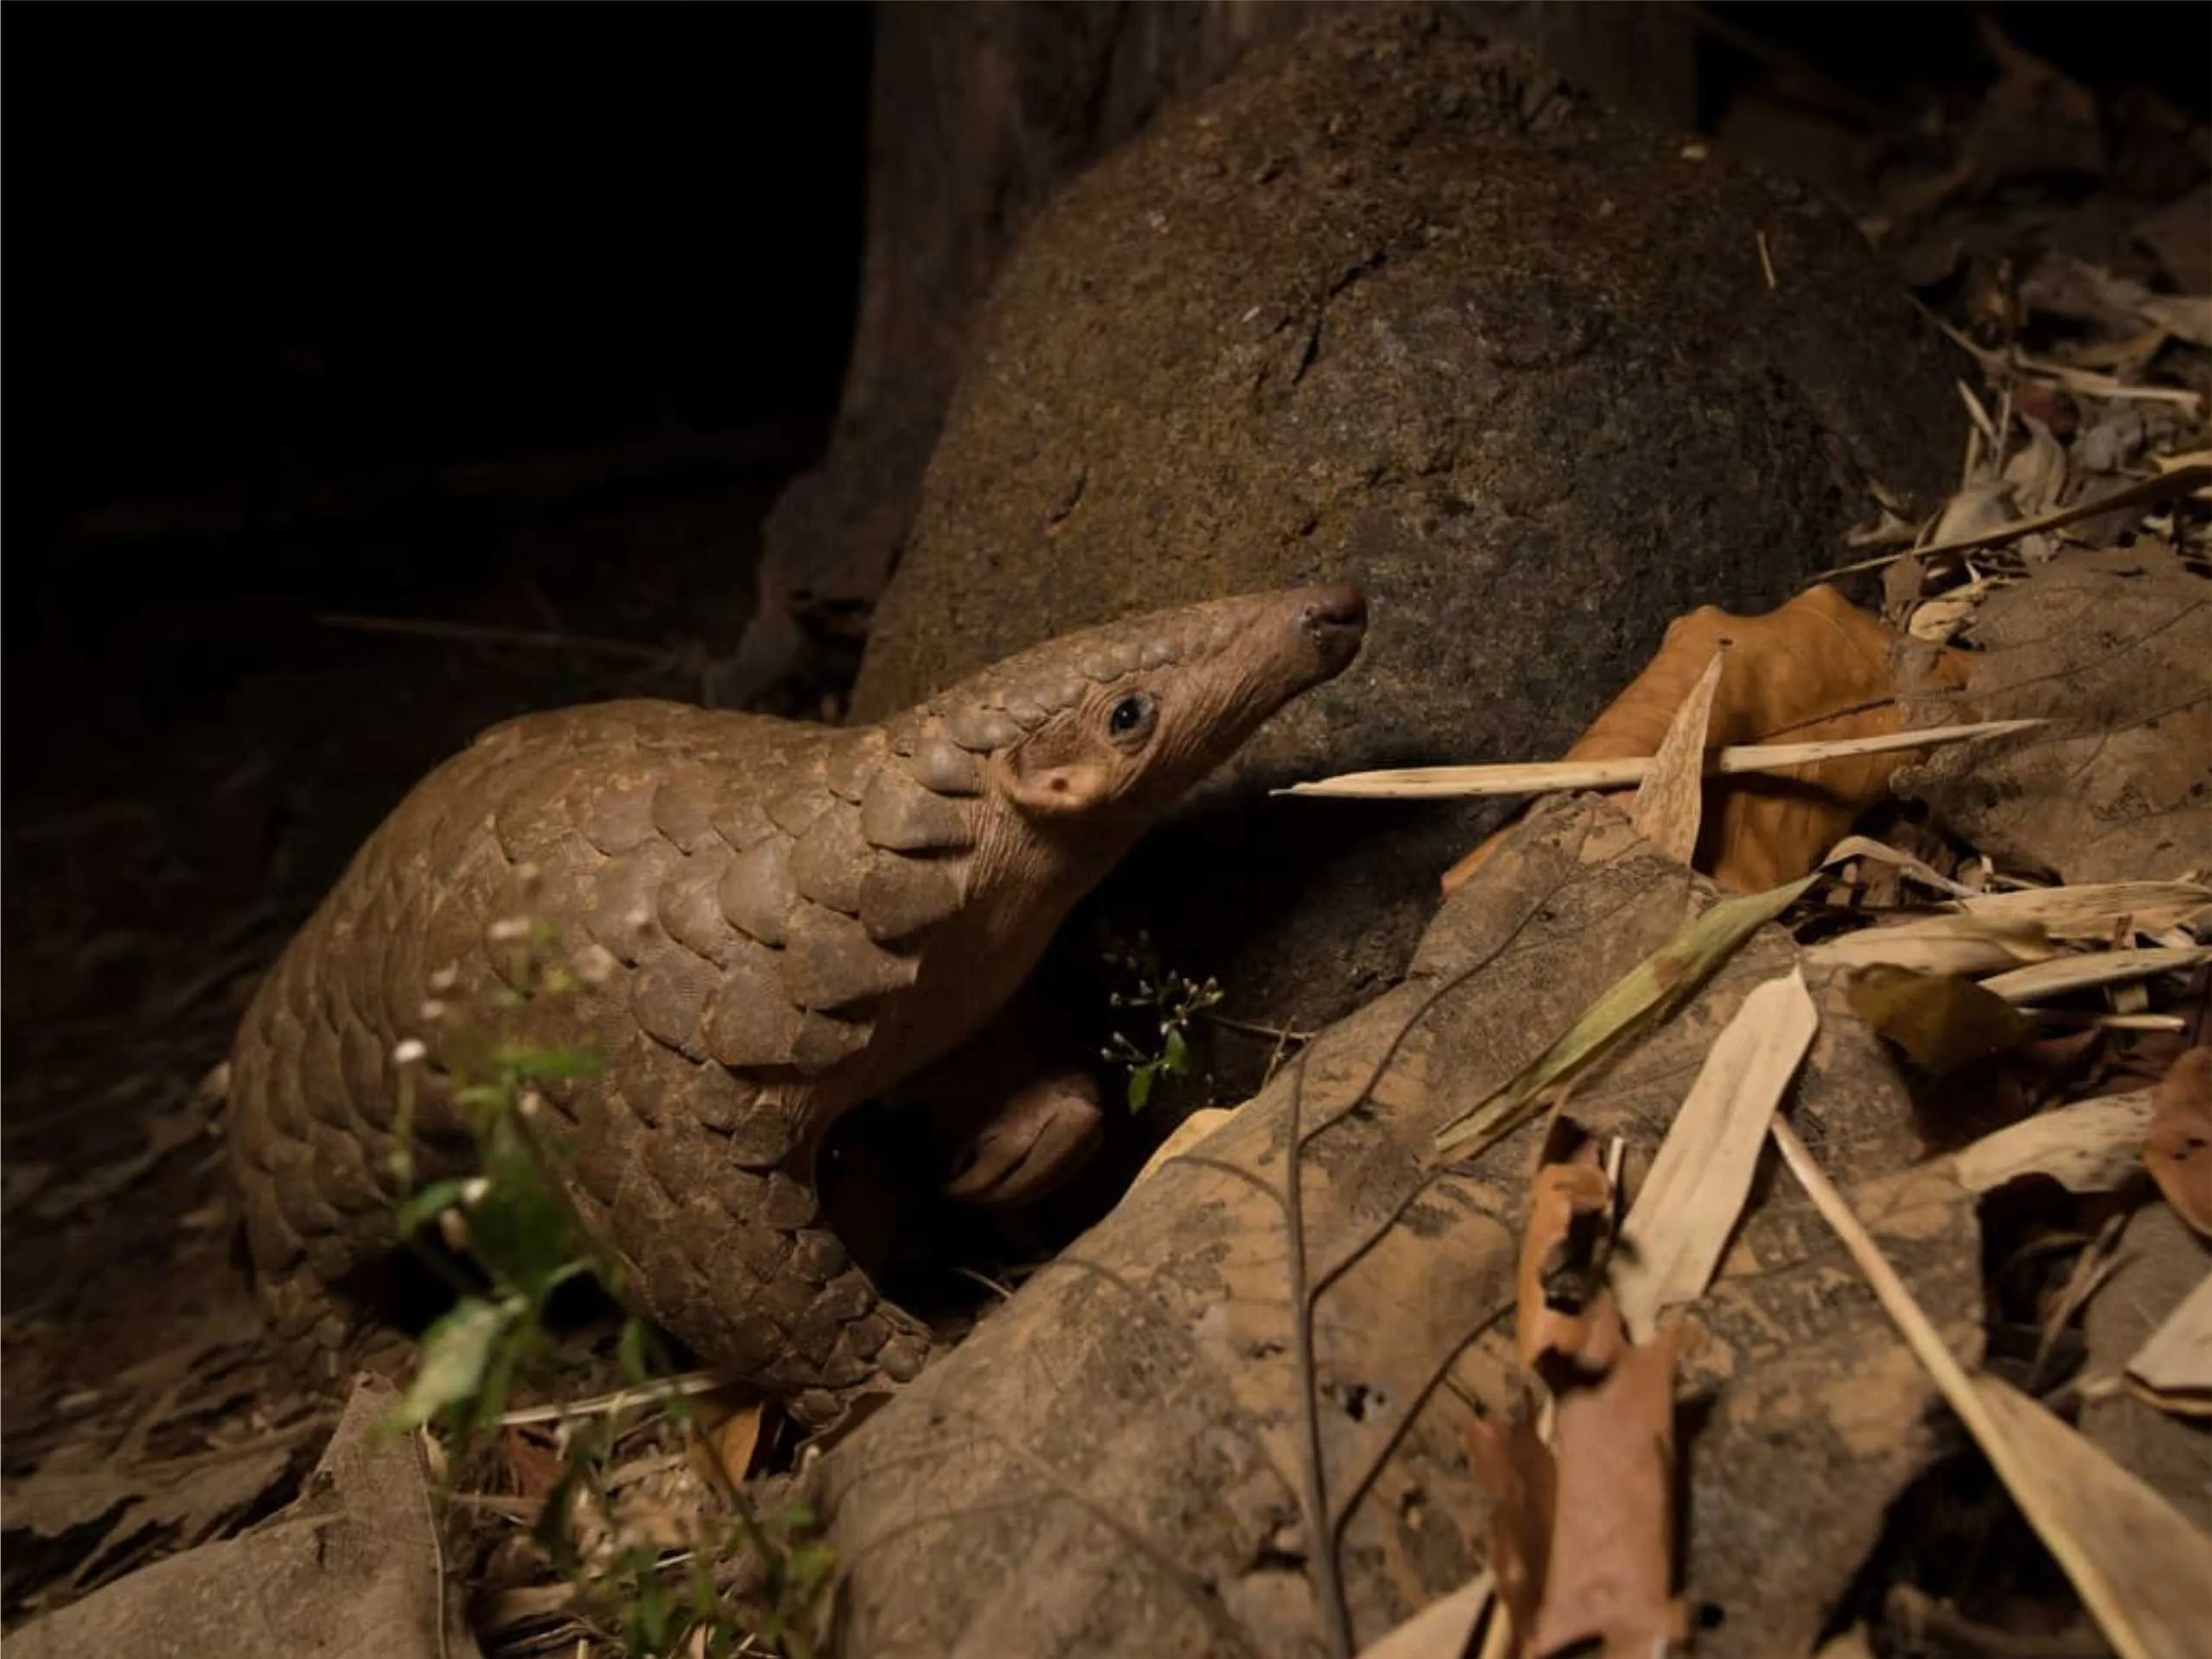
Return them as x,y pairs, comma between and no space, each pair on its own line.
1443,782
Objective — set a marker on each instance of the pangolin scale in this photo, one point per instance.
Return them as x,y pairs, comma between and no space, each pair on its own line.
782,920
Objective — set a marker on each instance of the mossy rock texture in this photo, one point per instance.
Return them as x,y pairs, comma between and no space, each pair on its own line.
1392,303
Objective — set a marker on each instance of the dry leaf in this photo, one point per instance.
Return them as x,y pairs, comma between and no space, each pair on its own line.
1439,1630
1690,1201
2139,1566
1946,943
1854,847
734,1440
2096,910
1940,1021
2115,649
1646,995
2146,1567
1818,667
534,1463
2070,973
2175,1366
2177,1149
1612,1551
1515,1465
1562,1309
2036,473
2159,1262
1670,802
2090,1147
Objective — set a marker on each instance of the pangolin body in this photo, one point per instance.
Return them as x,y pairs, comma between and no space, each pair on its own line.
784,920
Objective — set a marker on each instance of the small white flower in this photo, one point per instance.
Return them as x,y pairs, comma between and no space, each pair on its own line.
433,1010
446,978
473,1192
507,930
529,1103
407,1050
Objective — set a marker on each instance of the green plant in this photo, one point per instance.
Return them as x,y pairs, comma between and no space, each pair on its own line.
511,1215
1170,1000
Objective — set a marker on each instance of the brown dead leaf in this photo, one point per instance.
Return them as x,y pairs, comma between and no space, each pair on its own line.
1940,1022
1563,1311
1816,668
534,1461
734,1440
1515,1467
2115,649
2177,1151
1670,802
1612,1550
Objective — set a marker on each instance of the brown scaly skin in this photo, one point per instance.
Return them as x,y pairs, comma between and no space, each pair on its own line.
794,919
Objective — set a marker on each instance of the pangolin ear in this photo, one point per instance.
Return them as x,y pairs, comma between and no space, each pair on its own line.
1045,787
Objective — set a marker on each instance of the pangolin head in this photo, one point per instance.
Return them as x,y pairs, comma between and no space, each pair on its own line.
1113,723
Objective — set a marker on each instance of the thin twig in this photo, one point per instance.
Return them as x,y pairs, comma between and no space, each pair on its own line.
2150,491
651,1394
472,633
1447,783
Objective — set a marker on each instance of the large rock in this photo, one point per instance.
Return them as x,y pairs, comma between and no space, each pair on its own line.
978,115
1392,303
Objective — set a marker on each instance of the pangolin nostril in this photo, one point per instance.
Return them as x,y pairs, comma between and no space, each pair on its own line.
1344,606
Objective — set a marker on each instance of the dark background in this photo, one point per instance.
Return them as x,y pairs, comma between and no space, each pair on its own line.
325,237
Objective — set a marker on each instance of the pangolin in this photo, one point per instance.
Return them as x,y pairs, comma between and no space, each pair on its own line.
786,919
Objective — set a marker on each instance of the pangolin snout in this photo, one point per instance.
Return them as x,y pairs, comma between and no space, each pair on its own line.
1336,619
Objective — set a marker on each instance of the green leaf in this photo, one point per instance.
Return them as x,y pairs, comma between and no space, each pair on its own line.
527,1060
522,1230
1646,995
630,1349
425,1205
1177,1057
809,1565
1140,1088
457,1352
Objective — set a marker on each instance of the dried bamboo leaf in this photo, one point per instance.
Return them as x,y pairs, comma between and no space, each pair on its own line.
2069,974
1670,802
1864,847
2139,1567
1945,943
2090,1147
1550,777
2149,1566
2175,1366
1690,1202
2094,910
1646,996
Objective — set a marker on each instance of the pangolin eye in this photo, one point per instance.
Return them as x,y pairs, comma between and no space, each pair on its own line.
1130,715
